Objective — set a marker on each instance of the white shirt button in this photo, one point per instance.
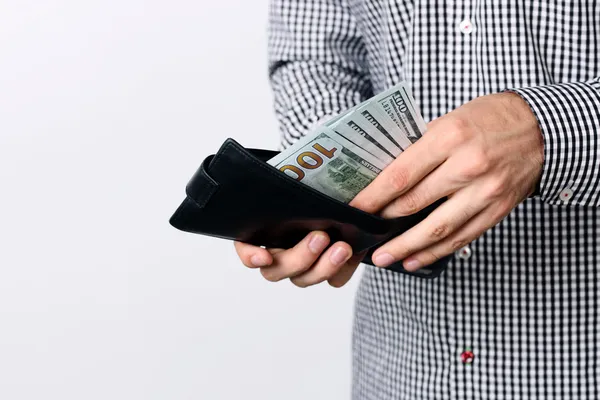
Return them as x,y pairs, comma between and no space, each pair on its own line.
566,195
464,253
466,26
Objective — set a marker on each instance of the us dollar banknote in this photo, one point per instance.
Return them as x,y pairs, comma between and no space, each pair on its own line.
344,155
384,124
329,163
399,105
357,132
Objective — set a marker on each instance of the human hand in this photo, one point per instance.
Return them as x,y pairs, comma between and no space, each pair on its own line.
306,264
485,157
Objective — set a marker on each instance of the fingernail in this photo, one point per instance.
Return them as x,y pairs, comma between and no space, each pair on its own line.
339,255
383,260
258,261
412,264
317,243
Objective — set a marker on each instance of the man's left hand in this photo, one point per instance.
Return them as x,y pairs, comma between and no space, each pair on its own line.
486,157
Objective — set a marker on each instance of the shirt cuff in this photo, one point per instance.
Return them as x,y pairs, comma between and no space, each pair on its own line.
569,118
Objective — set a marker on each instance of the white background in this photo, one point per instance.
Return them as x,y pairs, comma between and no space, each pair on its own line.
106,110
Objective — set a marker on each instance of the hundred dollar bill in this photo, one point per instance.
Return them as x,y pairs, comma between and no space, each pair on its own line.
384,124
356,132
335,119
360,141
329,163
370,126
399,105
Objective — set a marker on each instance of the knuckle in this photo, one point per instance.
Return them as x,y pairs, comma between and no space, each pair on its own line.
298,259
461,124
330,271
336,283
269,275
299,283
495,188
432,256
458,130
296,267
321,278
326,274
440,231
409,203
458,244
467,213
399,179
478,165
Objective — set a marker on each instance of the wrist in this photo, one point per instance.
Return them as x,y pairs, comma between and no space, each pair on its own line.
525,118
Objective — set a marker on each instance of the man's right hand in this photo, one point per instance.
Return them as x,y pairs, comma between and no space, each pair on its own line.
306,264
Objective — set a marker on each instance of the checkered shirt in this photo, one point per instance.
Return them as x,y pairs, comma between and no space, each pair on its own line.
517,313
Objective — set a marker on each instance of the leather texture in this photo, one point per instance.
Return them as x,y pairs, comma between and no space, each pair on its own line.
236,195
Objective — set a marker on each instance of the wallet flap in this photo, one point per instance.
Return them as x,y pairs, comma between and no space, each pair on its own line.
232,156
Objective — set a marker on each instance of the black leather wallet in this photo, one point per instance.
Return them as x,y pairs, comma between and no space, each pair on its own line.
236,195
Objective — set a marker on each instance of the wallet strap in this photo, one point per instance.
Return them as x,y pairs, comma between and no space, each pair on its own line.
201,180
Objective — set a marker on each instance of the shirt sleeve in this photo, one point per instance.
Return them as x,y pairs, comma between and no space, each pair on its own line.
317,63
569,119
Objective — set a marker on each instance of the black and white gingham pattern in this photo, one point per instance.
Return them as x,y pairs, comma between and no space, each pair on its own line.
527,301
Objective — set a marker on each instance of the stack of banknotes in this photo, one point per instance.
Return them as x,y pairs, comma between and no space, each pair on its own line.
341,157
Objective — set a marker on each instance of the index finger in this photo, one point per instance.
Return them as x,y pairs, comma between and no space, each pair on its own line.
401,175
